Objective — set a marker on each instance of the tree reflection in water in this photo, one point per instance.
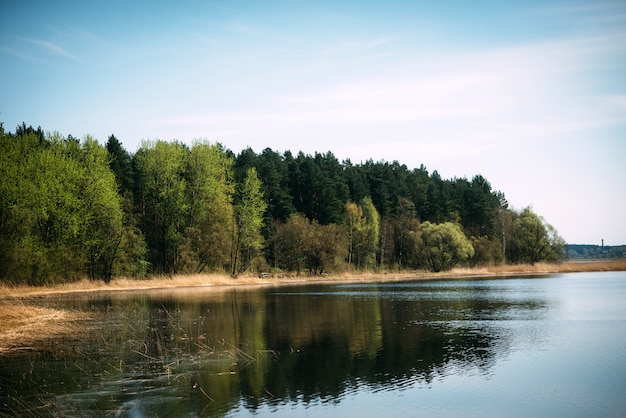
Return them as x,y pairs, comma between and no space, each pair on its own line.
176,353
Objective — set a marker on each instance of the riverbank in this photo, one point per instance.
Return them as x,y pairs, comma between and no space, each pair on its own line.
221,281
25,325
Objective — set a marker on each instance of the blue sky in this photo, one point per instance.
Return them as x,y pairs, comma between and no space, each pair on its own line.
532,94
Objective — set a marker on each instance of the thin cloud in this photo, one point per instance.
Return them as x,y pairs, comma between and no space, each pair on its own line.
50,47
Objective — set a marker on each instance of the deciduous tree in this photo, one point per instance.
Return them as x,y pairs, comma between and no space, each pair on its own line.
210,192
533,240
162,200
444,245
249,212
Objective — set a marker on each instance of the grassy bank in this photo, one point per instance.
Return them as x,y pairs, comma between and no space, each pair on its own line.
221,281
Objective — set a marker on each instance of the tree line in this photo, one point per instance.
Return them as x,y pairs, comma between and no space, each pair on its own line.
73,208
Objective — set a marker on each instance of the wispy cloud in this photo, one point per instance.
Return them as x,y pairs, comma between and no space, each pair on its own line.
18,54
49,47
530,92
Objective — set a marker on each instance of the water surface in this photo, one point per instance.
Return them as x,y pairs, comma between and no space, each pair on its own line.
518,347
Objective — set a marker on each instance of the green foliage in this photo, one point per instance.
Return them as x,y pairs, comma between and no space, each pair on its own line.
303,244
162,201
406,236
318,187
73,209
533,240
354,224
210,191
289,242
120,163
362,223
102,229
249,211
486,251
444,246
324,248
62,215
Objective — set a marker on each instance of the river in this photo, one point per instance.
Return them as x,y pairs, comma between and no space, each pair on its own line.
517,347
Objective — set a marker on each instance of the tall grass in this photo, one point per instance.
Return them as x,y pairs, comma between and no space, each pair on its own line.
564,267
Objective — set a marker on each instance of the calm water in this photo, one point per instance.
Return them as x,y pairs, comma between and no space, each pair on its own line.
532,347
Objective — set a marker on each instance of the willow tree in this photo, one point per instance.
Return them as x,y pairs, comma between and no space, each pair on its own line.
533,240
248,223
444,245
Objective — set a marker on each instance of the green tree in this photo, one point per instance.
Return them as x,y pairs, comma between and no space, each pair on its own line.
356,180
52,213
444,245
249,212
102,229
362,224
162,201
487,251
324,247
353,221
301,243
387,183
120,163
20,210
210,191
406,235
369,243
289,242
273,173
318,187
533,240
62,218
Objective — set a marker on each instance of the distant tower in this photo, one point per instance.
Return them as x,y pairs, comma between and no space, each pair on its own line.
602,245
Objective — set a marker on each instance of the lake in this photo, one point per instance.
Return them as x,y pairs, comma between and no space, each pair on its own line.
517,347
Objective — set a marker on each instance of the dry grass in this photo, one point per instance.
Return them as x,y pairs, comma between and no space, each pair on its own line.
549,268
223,281
25,327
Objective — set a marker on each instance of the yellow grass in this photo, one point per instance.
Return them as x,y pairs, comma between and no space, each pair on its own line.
221,281
24,326
548,268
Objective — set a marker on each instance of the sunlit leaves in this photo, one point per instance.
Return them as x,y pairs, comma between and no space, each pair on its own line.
210,191
533,240
162,200
444,245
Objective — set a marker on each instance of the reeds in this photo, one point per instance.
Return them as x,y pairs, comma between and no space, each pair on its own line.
26,326
563,267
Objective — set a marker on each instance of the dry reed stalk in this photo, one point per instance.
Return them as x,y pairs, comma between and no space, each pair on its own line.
25,326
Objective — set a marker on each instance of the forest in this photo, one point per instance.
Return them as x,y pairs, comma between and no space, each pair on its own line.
73,208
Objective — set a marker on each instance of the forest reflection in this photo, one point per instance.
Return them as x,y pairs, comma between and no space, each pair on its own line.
208,354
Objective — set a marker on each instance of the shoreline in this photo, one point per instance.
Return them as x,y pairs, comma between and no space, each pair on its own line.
223,281
26,325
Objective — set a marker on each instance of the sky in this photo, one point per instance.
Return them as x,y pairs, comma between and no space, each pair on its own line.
529,94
